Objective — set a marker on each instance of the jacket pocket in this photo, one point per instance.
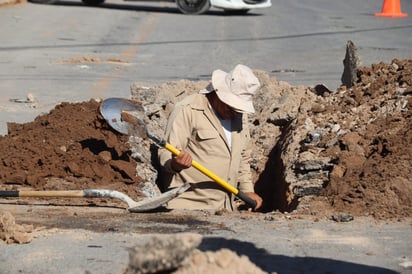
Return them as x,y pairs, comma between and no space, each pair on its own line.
204,135
209,145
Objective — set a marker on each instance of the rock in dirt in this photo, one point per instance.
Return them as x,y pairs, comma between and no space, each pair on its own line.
350,63
342,217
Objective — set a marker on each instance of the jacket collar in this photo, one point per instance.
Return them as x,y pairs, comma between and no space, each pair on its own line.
203,105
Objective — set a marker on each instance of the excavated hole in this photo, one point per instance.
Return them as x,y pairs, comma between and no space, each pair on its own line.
271,184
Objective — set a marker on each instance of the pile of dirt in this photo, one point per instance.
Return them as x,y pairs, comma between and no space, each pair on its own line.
71,147
373,156
348,148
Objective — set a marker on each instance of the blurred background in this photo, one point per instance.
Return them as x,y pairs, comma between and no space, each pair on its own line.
69,51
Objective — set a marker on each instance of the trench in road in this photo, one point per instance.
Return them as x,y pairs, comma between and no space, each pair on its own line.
105,82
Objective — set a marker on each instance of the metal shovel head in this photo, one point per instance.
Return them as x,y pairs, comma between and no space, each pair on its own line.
113,111
158,201
125,116
144,205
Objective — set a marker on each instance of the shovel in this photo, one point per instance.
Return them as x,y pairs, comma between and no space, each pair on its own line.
134,206
125,116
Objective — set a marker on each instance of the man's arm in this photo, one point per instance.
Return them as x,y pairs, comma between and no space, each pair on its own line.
177,133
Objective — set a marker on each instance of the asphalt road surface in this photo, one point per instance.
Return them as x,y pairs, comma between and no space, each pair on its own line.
300,42
43,49
79,240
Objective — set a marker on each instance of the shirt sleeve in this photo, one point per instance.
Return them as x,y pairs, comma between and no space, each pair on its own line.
177,133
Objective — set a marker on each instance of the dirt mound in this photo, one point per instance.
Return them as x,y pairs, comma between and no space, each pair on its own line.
373,157
348,148
69,148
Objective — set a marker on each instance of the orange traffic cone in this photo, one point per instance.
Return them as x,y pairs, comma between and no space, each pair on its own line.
391,8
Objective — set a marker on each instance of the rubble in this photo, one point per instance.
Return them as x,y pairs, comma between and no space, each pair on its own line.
306,140
350,63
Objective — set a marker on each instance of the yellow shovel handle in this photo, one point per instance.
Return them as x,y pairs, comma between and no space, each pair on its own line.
214,177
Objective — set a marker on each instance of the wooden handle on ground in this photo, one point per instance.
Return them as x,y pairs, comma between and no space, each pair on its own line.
41,193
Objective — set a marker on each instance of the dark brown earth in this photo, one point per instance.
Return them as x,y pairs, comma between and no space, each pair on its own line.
373,162
72,147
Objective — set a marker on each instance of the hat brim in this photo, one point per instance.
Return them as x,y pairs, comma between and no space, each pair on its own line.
226,96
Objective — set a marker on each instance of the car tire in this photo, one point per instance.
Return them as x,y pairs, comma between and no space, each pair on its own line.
193,6
92,2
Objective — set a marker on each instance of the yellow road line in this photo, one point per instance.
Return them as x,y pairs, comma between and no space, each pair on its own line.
103,84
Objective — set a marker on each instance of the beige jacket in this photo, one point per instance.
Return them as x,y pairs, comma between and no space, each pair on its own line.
192,126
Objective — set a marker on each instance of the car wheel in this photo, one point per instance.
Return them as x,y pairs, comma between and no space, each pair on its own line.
43,1
92,2
237,12
193,6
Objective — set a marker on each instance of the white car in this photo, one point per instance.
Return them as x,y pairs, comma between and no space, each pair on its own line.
196,6
229,6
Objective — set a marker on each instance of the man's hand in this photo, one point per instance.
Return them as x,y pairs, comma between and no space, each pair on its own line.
257,198
181,161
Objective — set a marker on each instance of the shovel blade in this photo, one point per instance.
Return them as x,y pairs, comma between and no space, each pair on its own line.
158,201
119,114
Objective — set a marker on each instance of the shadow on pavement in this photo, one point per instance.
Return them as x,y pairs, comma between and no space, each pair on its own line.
288,265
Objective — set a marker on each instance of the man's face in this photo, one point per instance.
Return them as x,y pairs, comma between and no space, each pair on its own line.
225,111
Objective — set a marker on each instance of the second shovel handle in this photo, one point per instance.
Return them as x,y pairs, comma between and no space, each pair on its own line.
42,193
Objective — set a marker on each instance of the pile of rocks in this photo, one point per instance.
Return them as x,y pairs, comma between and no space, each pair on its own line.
305,138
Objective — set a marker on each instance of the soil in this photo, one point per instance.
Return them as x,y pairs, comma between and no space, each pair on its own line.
373,161
72,147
